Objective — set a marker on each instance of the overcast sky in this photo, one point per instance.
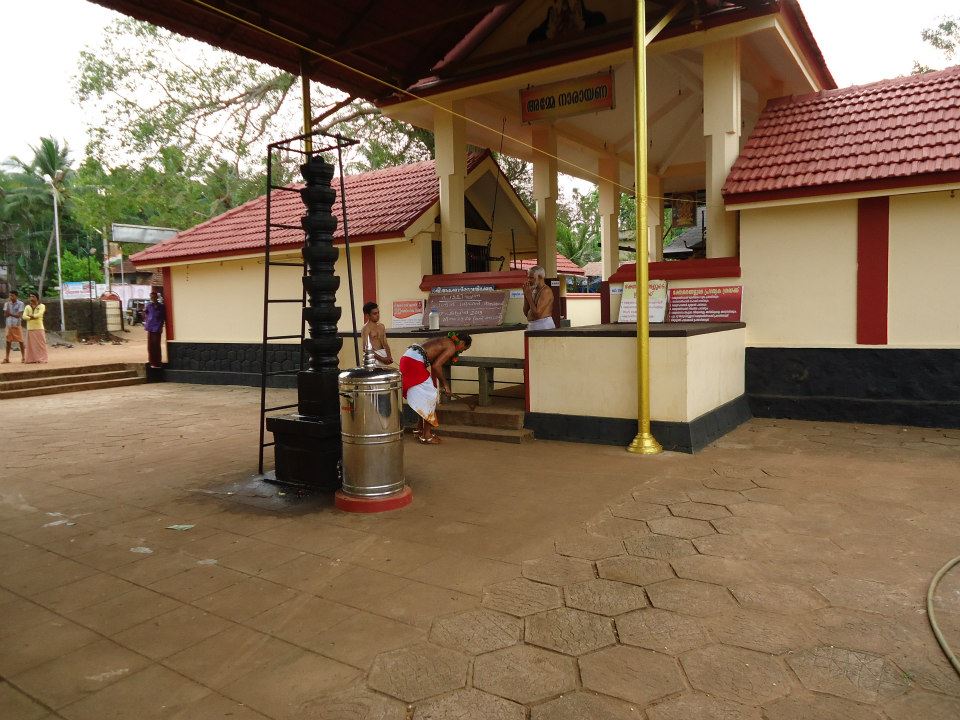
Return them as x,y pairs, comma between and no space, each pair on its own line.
40,41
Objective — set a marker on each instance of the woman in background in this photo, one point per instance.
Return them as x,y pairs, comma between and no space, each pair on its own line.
36,334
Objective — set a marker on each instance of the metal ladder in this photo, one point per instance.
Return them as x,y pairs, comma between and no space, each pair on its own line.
301,145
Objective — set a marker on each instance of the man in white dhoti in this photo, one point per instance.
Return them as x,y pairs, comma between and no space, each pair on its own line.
376,334
421,368
538,300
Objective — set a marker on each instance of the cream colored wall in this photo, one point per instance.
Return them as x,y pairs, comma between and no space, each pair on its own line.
399,274
924,304
223,301
689,376
583,310
799,266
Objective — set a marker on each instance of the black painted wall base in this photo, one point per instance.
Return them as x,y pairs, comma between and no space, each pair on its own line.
919,387
679,437
306,452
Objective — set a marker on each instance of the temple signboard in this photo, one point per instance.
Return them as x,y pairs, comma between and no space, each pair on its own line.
567,97
705,304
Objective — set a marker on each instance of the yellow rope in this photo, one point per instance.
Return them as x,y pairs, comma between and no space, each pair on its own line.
437,106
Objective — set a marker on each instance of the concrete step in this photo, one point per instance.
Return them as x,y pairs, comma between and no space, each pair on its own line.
470,432
56,372
54,380
490,417
72,387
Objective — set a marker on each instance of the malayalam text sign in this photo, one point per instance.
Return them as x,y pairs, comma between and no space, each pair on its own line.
407,314
567,97
657,303
706,304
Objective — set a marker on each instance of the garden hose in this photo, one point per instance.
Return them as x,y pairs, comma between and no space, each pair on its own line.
932,618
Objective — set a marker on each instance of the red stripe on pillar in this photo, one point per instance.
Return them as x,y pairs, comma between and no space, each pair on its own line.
873,265
368,260
526,372
168,301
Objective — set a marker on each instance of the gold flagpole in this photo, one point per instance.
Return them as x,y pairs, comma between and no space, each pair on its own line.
644,443
307,110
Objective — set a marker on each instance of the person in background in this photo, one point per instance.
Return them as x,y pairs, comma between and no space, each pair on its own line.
36,334
538,300
421,369
374,332
12,312
155,315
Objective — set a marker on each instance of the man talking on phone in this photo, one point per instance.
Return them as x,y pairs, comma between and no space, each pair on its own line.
538,300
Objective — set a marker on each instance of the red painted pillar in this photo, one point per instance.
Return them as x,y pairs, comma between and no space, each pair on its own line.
368,261
168,301
873,263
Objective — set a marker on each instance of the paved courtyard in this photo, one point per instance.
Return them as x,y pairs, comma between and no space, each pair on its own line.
778,575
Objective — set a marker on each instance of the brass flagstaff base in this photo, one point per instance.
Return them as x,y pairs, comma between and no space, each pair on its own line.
645,444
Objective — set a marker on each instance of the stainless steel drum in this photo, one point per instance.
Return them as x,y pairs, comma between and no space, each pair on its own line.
371,404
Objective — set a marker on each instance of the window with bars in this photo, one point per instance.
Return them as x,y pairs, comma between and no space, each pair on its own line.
478,258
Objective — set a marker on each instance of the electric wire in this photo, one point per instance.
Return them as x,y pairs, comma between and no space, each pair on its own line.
934,625
413,96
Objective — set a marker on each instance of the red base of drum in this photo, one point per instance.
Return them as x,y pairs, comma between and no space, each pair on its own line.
351,503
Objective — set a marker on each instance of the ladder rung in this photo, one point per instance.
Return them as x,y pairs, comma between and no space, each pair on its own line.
279,407
269,444
275,373
282,337
285,300
284,226
285,264
286,188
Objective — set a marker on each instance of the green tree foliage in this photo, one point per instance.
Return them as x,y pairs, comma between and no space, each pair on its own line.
944,36
578,227
81,267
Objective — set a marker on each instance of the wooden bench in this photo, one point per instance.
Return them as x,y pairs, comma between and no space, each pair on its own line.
485,367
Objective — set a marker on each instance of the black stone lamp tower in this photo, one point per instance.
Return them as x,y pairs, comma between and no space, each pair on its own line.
307,444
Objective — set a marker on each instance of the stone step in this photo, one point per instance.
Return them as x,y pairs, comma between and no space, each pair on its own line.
72,387
470,432
56,372
490,417
54,380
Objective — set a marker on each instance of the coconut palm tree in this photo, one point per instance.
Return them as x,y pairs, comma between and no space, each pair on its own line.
31,192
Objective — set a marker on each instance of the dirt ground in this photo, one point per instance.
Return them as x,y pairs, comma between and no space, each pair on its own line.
133,350
778,575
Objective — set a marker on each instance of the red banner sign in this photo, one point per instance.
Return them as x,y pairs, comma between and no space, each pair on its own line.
707,304
568,97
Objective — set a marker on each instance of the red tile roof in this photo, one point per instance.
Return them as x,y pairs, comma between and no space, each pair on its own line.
903,132
380,204
565,266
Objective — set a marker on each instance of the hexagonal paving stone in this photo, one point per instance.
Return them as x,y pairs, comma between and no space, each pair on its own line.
355,703
631,674
571,632
585,706
918,704
804,706
557,570
477,631
521,597
589,547
715,497
659,495
418,672
662,630
525,674
779,598
736,674
605,597
616,527
712,569
699,511
864,595
680,527
760,631
848,673
697,706
659,547
634,570
691,597
636,510
739,471
468,704
732,484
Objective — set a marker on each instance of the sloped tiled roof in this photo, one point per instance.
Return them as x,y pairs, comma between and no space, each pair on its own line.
894,133
565,266
380,204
